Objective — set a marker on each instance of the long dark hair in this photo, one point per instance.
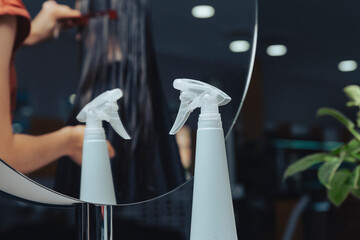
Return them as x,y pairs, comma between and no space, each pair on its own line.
119,53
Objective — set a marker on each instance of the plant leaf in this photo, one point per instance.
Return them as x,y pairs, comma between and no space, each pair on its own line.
353,93
304,163
352,144
340,187
355,155
337,115
356,176
330,158
353,150
356,182
350,159
327,171
341,118
356,192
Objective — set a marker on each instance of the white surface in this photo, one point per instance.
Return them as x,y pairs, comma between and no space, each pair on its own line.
96,176
18,185
212,211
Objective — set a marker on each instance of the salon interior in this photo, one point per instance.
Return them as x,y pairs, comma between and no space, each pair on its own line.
290,170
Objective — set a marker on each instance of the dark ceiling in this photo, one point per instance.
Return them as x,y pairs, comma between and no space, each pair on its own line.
318,35
186,46
177,32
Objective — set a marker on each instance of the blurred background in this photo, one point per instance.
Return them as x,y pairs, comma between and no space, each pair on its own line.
307,53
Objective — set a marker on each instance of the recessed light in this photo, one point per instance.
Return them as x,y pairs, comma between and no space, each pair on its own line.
276,50
239,46
203,11
347,66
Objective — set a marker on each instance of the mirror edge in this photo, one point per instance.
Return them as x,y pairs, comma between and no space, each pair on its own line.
251,68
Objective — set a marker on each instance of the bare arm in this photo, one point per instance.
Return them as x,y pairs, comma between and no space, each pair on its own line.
23,152
45,23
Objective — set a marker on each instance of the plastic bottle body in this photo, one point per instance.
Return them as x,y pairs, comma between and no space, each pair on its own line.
96,176
212,210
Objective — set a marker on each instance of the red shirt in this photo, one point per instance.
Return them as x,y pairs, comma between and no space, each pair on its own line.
16,8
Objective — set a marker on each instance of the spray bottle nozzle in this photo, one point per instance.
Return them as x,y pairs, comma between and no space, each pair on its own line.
196,94
104,107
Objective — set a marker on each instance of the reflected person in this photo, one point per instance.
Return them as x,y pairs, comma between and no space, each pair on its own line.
24,152
119,54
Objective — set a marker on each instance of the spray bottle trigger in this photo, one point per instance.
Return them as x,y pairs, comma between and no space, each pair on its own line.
182,116
104,108
119,127
196,94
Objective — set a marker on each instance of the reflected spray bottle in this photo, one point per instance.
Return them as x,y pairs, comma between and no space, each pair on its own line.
96,177
212,210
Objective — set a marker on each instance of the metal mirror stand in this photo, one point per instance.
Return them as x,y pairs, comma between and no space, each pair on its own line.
94,222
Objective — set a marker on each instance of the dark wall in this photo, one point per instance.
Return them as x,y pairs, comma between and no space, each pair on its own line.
47,72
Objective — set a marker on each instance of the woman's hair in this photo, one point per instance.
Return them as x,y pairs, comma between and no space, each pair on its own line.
119,54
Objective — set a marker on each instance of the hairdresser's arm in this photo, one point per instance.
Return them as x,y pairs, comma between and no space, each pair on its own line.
44,24
24,152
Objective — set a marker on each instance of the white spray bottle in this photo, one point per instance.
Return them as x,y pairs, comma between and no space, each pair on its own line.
212,210
96,177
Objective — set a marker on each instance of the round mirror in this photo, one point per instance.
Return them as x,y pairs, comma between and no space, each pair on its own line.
141,51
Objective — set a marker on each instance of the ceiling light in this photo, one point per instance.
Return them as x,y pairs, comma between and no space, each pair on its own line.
203,11
239,46
347,66
276,50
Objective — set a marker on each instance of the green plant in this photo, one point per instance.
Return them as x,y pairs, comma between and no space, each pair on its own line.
339,182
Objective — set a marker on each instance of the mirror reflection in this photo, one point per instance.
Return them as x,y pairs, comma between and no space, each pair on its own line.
141,51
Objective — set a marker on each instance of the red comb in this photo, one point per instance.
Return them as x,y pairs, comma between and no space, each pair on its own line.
84,19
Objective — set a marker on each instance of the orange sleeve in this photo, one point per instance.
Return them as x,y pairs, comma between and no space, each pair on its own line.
17,8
